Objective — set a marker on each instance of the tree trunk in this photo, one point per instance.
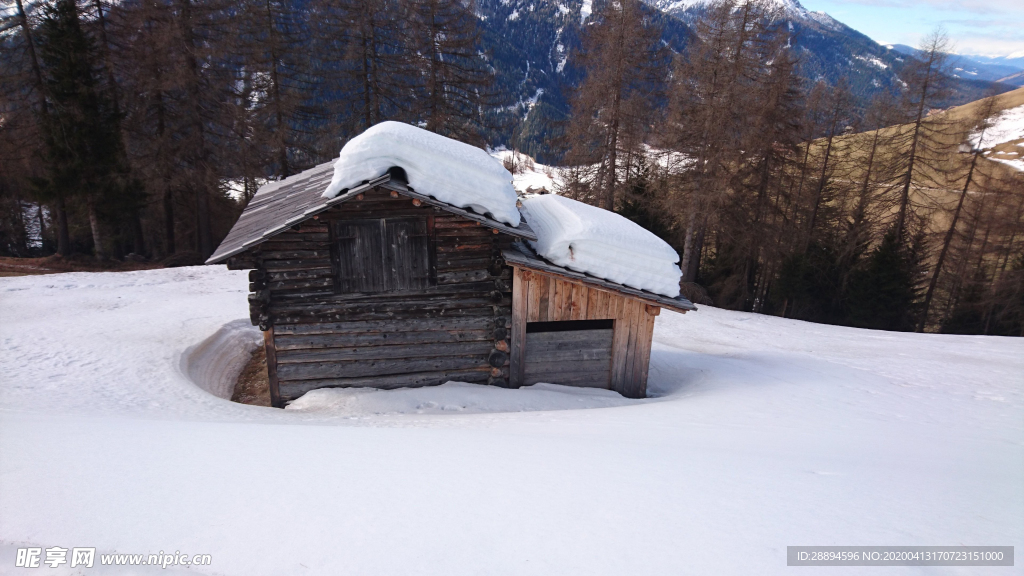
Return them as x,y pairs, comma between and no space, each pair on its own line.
275,81
908,178
37,74
689,242
945,244
820,190
97,234
63,237
201,175
168,200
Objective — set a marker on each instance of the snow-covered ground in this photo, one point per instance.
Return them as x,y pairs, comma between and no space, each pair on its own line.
532,176
1007,127
761,433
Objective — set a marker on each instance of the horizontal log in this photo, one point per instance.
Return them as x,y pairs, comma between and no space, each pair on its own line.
298,236
291,390
349,316
560,367
295,254
379,210
388,338
302,295
242,263
476,234
363,368
442,324
454,222
440,303
462,276
497,358
388,352
299,274
453,263
446,249
269,247
294,265
588,379
451,293
545,355
315,285
571,339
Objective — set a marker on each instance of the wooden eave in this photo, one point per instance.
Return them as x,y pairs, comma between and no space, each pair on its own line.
522,256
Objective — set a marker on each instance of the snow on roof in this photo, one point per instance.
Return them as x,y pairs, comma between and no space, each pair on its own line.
601,243
446,169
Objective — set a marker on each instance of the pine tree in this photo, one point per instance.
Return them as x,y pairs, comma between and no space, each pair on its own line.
84,156
55,196
616,105
927,84
883,293
454,85
981,124
377,66
711,107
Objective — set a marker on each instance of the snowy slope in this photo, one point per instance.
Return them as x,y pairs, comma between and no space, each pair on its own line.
762,433
531,177
1007,128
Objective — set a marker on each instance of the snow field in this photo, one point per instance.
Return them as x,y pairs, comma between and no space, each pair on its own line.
1008,126
761,433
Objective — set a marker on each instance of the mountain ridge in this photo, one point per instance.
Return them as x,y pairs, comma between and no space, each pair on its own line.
530,44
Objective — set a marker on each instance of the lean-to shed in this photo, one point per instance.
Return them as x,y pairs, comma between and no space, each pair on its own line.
406,263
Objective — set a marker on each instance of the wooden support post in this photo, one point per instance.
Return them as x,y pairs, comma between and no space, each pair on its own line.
517,332
271,349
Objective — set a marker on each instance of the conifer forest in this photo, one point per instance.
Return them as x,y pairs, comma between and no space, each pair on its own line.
140,129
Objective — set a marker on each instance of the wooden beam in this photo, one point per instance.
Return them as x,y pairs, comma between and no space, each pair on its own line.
643,358
271,350
517,332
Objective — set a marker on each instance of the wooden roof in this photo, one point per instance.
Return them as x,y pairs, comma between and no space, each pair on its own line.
523,256
280,205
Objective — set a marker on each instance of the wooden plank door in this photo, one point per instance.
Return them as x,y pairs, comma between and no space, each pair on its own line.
572,353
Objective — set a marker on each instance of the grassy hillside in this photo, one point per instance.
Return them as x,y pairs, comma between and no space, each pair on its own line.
940,172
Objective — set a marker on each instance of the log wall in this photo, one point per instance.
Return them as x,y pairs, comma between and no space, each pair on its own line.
542,297
319,337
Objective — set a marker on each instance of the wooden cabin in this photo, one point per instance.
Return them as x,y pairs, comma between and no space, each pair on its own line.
385,287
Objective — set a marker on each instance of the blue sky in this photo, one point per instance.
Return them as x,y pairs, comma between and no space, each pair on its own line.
987,27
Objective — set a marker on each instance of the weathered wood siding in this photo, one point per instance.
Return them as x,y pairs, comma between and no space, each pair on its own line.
572,358
454,329
541,297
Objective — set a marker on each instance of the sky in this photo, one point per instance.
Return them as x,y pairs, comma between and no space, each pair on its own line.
986,27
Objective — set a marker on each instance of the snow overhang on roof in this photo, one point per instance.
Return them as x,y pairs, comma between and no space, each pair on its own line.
523,256
602,244
447,170
280,205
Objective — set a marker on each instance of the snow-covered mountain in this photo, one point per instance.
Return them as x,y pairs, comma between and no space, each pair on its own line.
828,49
530,44
1004,69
